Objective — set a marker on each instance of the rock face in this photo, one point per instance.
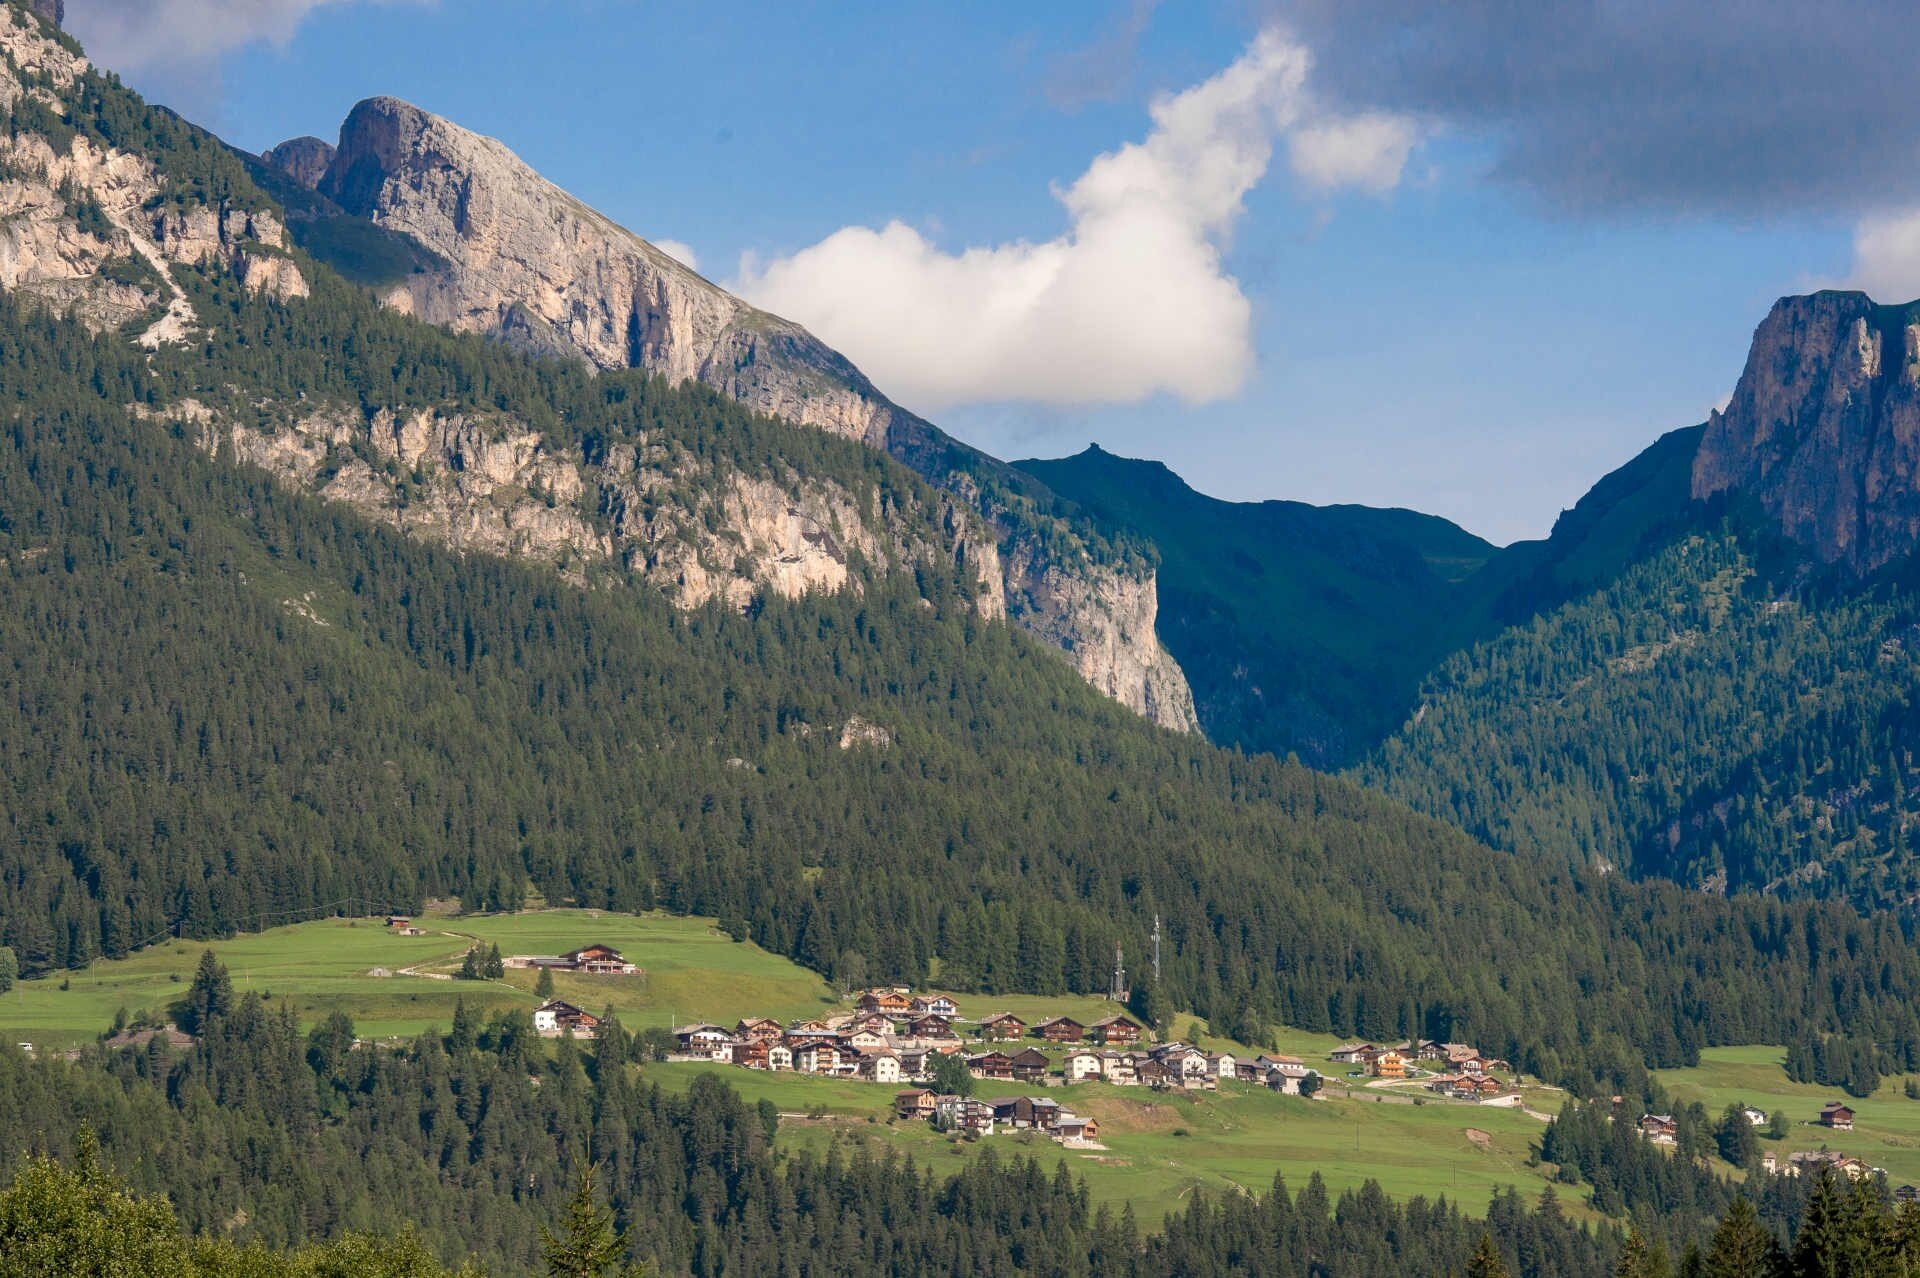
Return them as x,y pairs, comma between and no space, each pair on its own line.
54,11
87,228
305,160
493,484
1823,430
528,264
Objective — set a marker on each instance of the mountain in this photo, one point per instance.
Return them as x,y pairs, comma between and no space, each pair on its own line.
1719,684
1302,629
508,255
1823,430
260,668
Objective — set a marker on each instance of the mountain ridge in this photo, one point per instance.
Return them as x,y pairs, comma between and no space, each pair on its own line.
521,261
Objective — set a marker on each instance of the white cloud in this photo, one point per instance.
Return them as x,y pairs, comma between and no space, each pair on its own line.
1886,255
679,252
1364,151
1131,301
137,34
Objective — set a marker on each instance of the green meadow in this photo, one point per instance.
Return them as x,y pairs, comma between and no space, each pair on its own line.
1160,1147
690,969
1886,1125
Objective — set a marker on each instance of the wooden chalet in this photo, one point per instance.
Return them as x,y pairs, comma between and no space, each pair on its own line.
1030,1065
759,1029
1060,1029
933,1005
931,1026
886,1002
1837,1115
1072,1127
1116,1031
915,1102
1003,1027
993,1065
1352,1054
1389,1064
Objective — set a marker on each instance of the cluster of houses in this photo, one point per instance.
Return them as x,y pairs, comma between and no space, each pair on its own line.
893,1036
1011,1113
1662,1129
1454,1070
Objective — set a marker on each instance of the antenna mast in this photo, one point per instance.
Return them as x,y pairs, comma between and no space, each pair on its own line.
1119,991
1156,949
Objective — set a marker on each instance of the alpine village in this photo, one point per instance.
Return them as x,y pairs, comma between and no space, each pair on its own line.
524,753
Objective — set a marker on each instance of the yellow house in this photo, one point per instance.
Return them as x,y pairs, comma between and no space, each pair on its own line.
1390,1064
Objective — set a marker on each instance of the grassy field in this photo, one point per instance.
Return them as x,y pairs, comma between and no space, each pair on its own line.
1160,1147
1886,1125
690,968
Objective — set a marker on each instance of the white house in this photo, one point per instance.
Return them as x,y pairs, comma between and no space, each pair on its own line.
1080,1066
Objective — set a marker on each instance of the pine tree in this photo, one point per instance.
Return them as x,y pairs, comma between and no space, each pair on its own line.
466,1029
470,967
543,984
495,967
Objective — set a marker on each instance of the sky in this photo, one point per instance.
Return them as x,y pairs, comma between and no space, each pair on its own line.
1463,258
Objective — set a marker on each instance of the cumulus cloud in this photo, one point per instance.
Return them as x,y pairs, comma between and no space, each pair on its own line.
1131,301
1886,256
1742,108
679,252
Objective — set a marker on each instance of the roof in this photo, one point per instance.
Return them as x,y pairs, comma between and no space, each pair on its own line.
1116,1019
1057,1020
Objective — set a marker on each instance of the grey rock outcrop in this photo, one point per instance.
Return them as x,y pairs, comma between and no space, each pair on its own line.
527,264
305,160
1823,430
54,11
85,226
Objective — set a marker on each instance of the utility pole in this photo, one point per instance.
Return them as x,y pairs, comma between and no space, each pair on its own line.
1156,949
1118,992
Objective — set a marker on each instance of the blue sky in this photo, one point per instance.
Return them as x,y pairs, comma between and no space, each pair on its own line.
1481,338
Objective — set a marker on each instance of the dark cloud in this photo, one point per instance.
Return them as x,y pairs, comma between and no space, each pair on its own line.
1751,109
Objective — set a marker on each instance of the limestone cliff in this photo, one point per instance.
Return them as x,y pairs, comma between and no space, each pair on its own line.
528,264
1823,430
94,229
643,507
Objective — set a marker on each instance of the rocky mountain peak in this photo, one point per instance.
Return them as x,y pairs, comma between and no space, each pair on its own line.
1823,429
305,160
524,262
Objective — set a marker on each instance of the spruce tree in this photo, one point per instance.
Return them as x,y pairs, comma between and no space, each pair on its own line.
496,967
587,1246
208,998
543,984
1741,1246
1486,1261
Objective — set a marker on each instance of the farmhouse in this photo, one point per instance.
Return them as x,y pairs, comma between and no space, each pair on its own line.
1389,1064
1286,1079
779,1056
997,1065
700,1038
1072,1127
1755,1117
1119,1069
1352,1054
1837,1115
1116,1031
1061,1029
597,960
934,1005
1659,1128
554,1018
